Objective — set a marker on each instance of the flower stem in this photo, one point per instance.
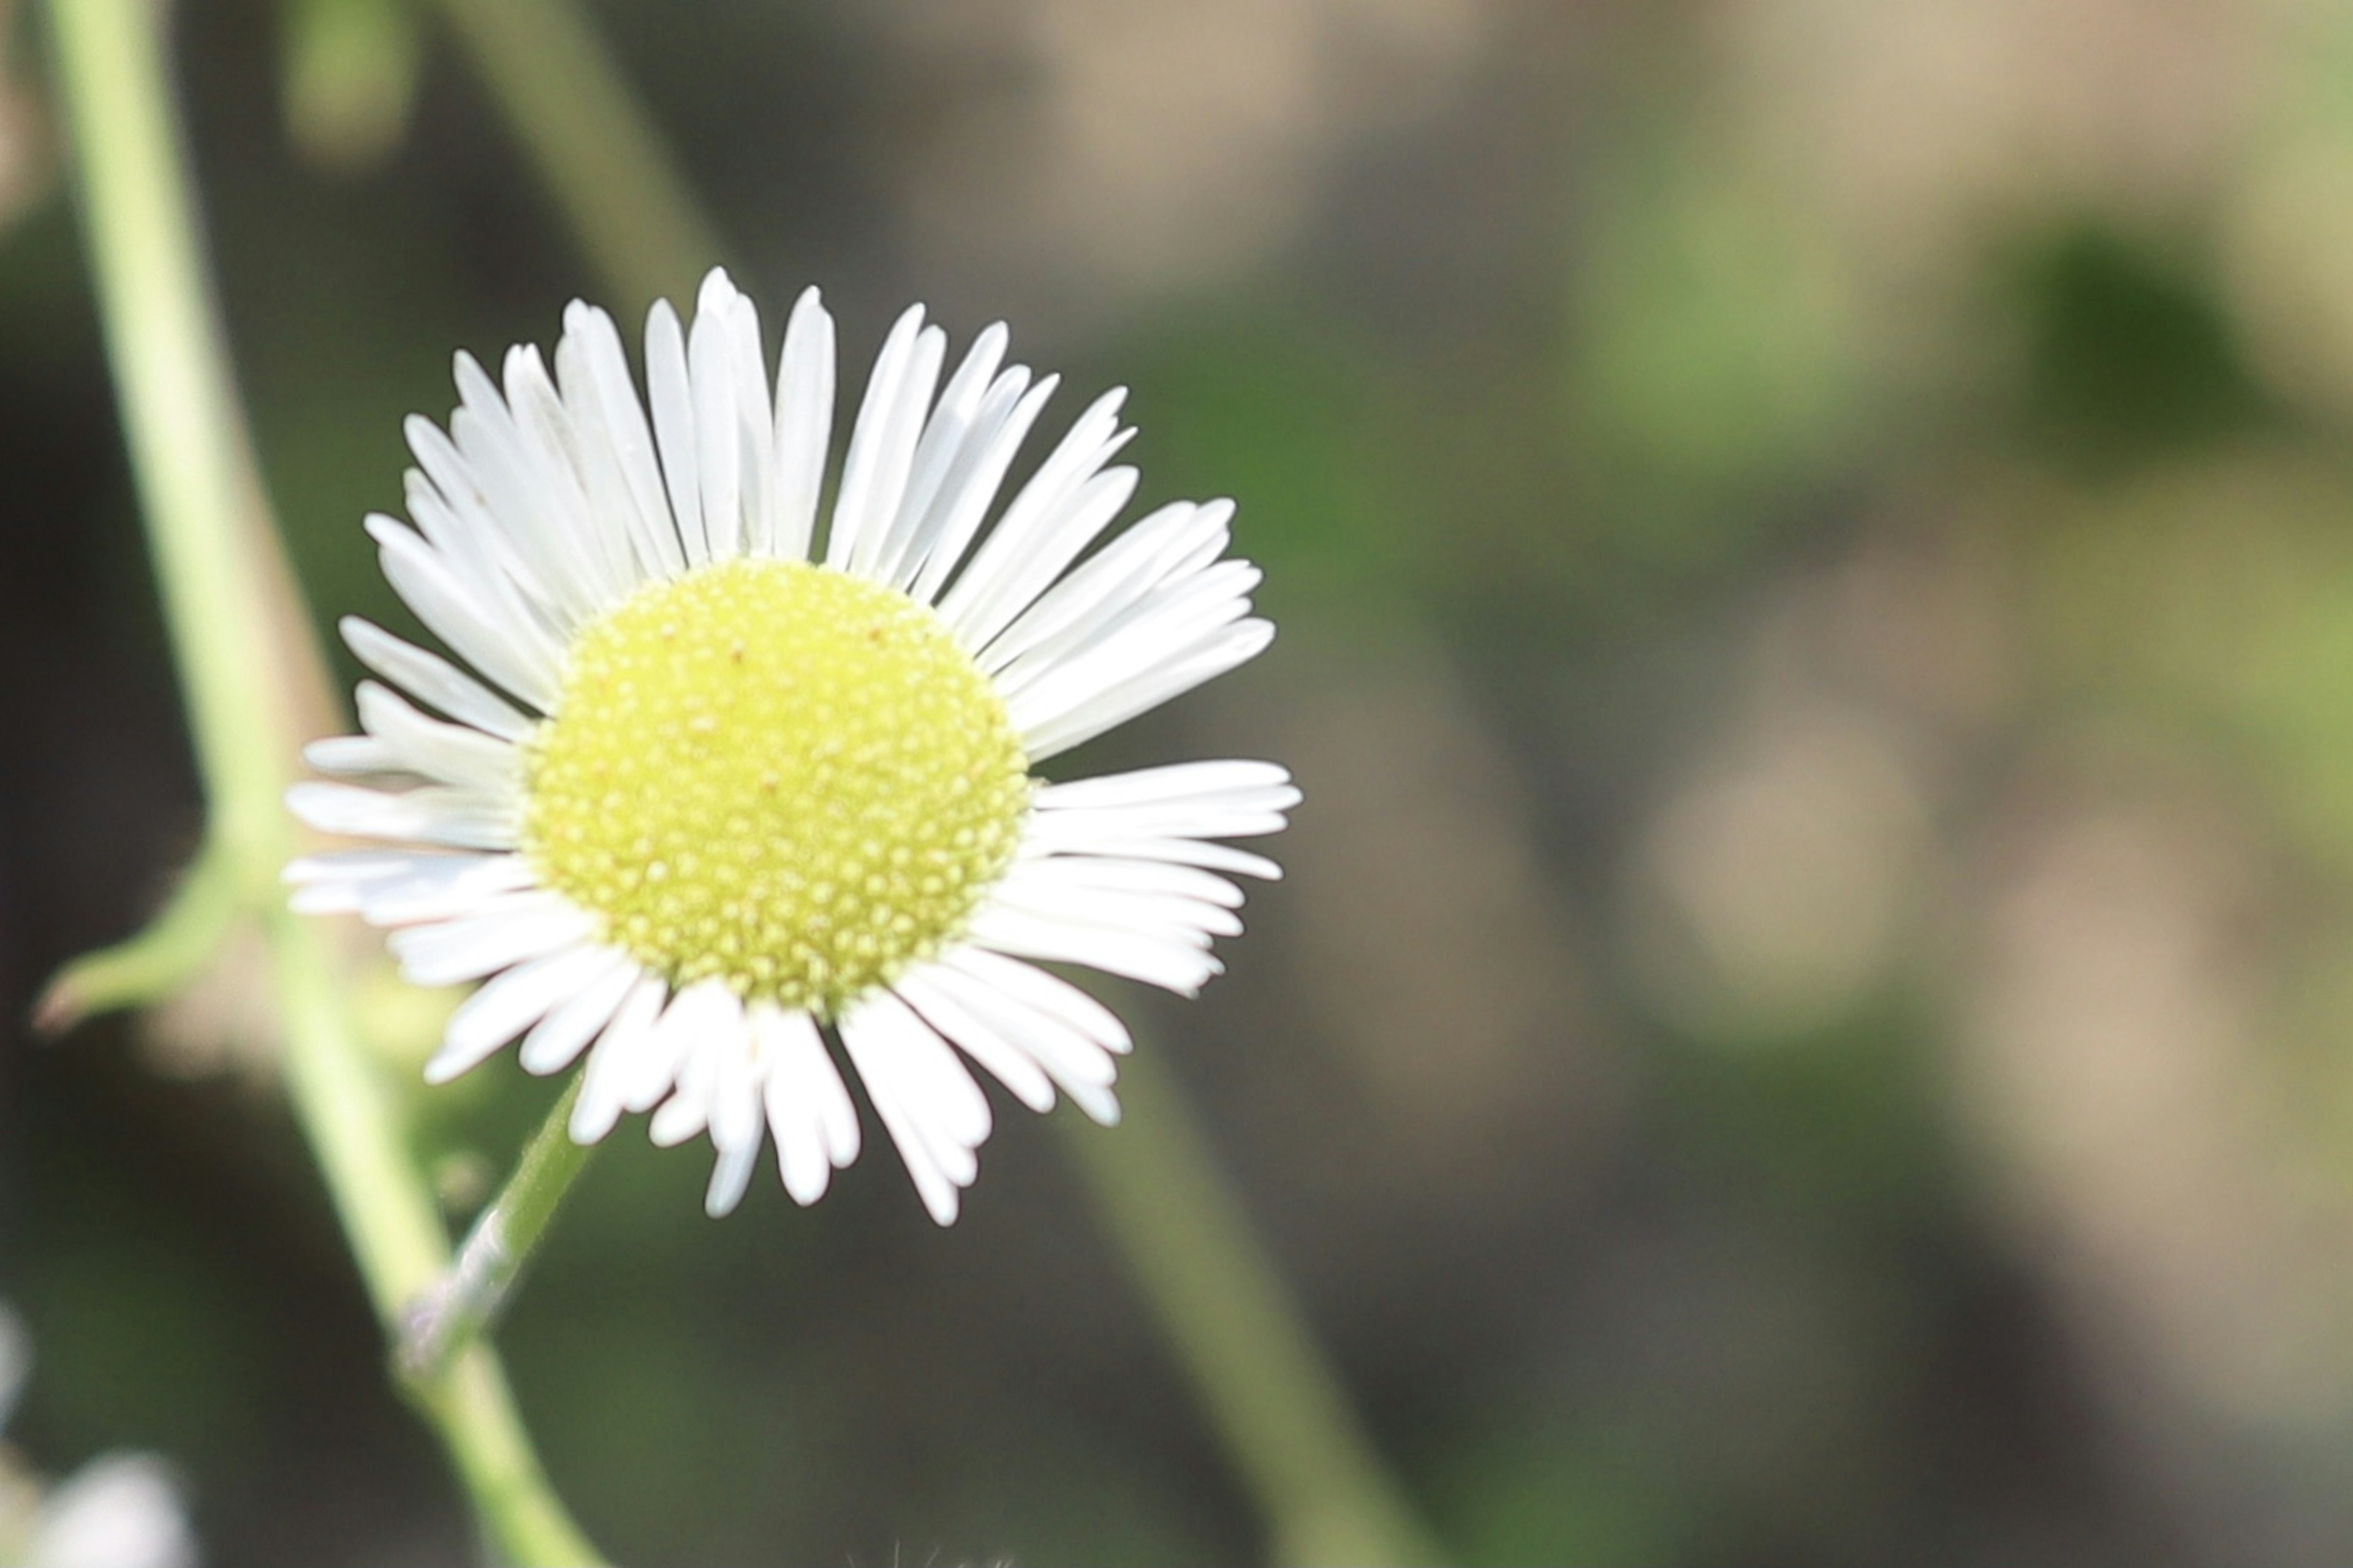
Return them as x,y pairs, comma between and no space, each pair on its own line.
238,639
453,1313
1261,1377
573,112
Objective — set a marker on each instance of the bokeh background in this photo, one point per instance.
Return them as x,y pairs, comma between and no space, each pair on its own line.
1811,1018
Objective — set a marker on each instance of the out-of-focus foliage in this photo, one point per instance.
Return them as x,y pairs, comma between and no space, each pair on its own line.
1811,1018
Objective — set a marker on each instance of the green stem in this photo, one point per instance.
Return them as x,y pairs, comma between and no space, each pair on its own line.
1242,1341
453,1313
592,143
171,951
225,597
396,1232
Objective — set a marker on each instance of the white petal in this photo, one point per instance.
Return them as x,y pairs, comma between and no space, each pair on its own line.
810,1110
1111,642
1108,584
442,887
804,424
721,423
1169,782
595,540
1012,1068
983,599
510,648
1120,874
508,929
943,442
1172,965
354,756
1044,993
594,371
557,1040
461,819
729,1176
947,538
1073,526
934,1112
704,1011
672,393
970,1012
429,678
453,754
1233,646
1065,673
510,1003
600,1105
882,442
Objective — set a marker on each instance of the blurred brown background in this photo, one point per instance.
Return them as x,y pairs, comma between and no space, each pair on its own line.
1811,1018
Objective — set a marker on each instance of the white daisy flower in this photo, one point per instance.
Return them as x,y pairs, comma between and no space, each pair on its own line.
744,784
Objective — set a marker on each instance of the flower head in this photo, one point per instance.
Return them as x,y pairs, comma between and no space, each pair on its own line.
728,783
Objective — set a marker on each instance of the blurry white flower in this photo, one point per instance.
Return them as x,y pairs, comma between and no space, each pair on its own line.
120,1511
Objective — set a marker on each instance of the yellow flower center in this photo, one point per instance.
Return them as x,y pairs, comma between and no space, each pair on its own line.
777,774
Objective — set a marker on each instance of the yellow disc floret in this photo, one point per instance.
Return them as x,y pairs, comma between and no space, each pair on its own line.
777,774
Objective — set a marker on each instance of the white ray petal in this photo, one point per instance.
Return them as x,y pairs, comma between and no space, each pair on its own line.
356,756
810,1110
1011,1067
704,1011
1105,586
945,435
557,1040
606,401
671,392
1171,965
454,754
982,600
435,814
1168,782
882,442
506,930
934,1112
514,651
1233,646
1044,993
948,538
721,422
971,1014
613,1057
804,424
429,678
510,1003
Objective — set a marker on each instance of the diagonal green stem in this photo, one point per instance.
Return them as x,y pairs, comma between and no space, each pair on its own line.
225,595
1242,1342
461,1305
572,111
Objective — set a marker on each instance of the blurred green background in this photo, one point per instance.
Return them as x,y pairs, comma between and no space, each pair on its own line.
1811,1017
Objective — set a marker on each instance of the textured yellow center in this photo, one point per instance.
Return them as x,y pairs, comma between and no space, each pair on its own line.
777,774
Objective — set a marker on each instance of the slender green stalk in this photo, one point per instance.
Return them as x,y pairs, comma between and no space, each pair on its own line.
396,1233
226,605
1261,1377
574,113
464,1301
